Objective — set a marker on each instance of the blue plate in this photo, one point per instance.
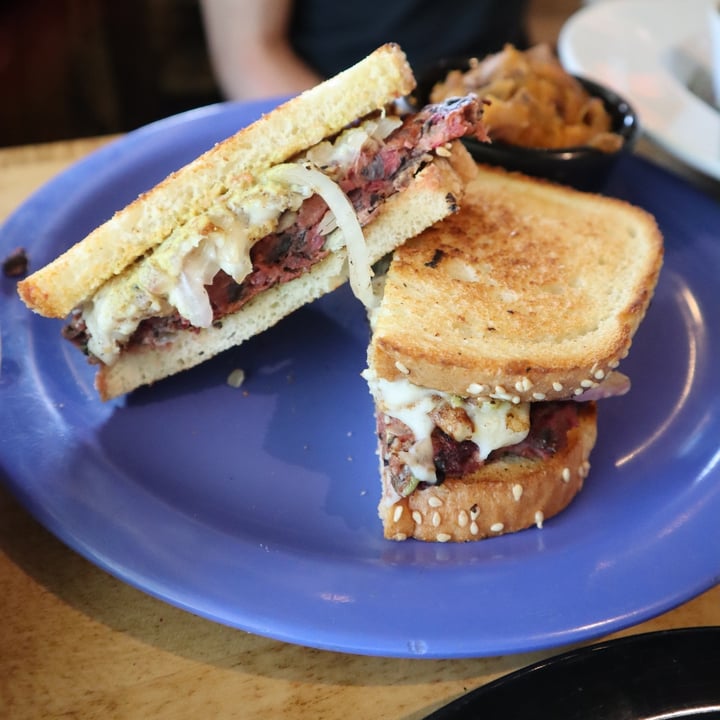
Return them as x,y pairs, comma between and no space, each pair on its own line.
256,507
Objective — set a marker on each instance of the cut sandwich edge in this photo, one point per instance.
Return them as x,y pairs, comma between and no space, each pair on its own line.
435,193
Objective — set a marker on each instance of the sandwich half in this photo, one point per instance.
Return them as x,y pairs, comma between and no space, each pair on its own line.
498,331
268,220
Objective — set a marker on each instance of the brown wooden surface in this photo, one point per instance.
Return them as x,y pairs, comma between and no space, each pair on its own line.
77,643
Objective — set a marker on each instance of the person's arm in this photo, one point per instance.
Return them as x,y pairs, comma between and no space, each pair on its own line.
249,48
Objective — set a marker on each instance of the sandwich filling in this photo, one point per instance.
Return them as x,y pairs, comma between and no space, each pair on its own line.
427,435
293,216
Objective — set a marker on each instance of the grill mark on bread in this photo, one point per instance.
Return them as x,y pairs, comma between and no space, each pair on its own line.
436,258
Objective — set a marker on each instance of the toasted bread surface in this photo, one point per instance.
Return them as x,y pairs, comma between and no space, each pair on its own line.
533,291
433,195
501,497
294,126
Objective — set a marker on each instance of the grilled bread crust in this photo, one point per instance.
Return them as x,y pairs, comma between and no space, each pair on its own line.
533,291
305,120
432,195
501,497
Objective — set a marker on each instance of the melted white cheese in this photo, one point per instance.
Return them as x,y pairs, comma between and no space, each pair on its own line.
495,423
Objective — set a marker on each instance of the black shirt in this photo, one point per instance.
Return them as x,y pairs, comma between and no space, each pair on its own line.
331,35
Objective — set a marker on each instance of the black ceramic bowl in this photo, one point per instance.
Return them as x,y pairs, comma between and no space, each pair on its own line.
582,167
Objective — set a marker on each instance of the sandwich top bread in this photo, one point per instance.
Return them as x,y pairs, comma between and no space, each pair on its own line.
532,292
498,330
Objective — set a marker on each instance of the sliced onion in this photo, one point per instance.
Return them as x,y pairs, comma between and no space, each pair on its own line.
359,266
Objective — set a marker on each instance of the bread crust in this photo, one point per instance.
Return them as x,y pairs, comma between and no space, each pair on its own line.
533,291
433,194
501,497
301,122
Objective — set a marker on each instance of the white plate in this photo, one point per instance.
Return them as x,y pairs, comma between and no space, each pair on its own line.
656,53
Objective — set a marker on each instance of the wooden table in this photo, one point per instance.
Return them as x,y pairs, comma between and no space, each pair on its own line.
77,643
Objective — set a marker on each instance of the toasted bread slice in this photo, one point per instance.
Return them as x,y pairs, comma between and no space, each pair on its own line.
533,291
501,497
73,277
430,197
